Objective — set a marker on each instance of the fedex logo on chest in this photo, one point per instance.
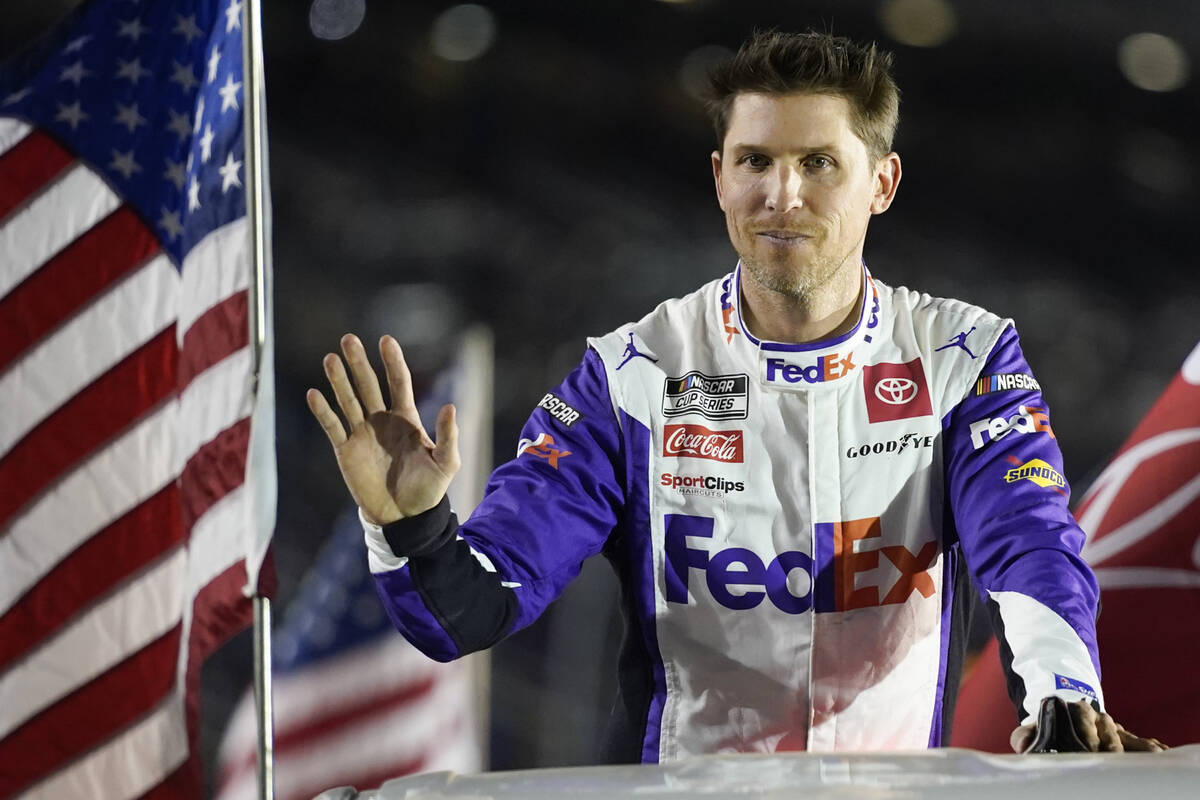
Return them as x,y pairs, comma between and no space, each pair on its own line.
854,568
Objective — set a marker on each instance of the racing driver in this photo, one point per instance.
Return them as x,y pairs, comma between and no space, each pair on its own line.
793,469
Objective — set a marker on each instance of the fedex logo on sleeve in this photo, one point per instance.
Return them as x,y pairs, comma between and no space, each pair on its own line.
849,556
1026,420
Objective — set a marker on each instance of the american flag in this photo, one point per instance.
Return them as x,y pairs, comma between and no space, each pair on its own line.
136,465
356,704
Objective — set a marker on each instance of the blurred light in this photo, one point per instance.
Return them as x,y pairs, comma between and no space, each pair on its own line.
919,23
335,19
1158,162
693,72
1153,62
463,32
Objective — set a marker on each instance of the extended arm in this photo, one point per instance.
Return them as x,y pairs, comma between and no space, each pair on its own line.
1010,504
449,588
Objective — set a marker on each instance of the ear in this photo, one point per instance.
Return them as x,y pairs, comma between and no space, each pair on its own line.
887,179
716,165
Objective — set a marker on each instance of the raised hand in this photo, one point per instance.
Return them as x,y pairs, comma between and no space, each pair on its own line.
391,467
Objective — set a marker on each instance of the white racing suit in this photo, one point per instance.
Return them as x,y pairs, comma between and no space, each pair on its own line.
792,526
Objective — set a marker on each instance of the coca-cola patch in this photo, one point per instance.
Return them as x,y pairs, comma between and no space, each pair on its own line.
697,441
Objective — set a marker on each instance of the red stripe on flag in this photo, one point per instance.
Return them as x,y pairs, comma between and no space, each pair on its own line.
89,716
335,718
214,471
27,167
89,419
66,283
146,533
216,334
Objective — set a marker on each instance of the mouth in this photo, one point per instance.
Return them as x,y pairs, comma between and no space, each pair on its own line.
784,237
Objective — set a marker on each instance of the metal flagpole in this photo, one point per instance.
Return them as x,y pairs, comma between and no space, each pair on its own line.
255,148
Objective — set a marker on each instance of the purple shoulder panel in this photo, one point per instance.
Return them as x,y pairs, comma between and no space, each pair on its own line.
411,616
555,503
1008,494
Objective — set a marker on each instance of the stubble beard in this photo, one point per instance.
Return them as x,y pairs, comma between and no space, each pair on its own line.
805,284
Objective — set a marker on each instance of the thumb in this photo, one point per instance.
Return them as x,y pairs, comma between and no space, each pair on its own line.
445,452
1022,738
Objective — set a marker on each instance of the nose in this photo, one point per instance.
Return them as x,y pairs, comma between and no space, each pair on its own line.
784,188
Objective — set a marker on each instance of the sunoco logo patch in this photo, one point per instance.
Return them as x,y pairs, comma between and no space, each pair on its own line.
711,396
1038,472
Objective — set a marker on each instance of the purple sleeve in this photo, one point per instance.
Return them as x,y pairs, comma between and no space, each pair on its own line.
463,588
556,502
1010,500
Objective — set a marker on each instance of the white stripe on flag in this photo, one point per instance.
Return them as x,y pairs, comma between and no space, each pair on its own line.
67,361
217,267
127,765
382,741
142,611
376,743
215,539
99,491
1147,578
69,206
214,400
378,667
12,130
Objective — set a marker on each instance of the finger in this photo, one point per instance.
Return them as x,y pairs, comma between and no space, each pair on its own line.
336,372
328,420
1022,738
1110,738
445,453
399,379
1083,719
364,376
1136,744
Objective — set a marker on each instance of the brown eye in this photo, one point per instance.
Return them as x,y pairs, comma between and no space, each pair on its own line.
755,161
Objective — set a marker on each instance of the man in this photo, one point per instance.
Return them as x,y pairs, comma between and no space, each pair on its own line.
791,469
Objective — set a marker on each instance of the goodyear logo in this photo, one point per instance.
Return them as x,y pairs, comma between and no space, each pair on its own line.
1037,471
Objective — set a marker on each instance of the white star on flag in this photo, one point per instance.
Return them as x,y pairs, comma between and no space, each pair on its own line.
74,73
233,15
76,44
229,93
186,27
133,29
132,70
229,172
214,61
129,116
169,222
17,97
206,144
193,194
199,115
184,77
71,114
124,163
174,173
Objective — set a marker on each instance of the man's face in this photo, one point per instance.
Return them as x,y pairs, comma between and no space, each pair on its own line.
797,187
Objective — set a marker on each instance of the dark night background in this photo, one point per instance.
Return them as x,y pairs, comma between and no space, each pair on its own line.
558,185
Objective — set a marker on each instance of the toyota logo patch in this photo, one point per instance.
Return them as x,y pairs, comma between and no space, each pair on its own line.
896,391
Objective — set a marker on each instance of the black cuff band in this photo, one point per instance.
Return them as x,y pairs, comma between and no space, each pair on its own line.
423,534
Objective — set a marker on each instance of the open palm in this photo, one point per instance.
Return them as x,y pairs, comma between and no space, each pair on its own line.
390,465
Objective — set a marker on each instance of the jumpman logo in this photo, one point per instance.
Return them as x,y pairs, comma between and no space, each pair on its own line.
959,341
631,352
